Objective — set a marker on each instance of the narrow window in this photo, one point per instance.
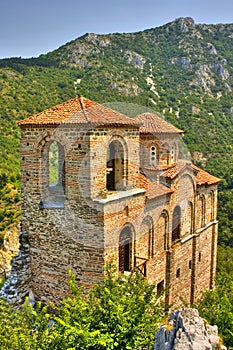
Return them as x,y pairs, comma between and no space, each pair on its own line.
53,164
164,218
173,154
176,223
115,166
150,242
189,219
126,210
160,287
212,205
52,174
147,229
125,250
203,210
178,273
153,155
56,172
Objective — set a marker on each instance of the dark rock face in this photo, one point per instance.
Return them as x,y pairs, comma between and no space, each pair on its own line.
186,330
17,286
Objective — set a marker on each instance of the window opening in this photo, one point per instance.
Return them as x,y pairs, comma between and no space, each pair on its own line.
148,229
153,155
53,164
212,205
115,166
203,210
160,287
189,219
176,223
126,210
125,250
173,154
54,172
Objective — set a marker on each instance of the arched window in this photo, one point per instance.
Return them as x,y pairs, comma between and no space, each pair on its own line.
176,220
52,174
212,203
173,154
153,155
165,230
116,166
53,163
203,210
189,219
125,250
148,230
56,165
166,154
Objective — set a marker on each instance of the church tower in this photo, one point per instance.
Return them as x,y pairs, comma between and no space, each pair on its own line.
99,186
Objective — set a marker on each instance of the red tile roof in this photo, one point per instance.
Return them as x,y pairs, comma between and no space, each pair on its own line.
153,189
78,110
151,123
174,170
202,177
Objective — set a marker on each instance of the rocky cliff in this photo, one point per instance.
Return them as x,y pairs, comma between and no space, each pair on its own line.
186,330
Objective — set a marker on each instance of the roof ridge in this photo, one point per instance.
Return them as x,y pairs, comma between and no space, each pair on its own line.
83,108
78,110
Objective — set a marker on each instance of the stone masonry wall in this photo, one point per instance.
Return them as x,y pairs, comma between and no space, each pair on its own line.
78,228
61,237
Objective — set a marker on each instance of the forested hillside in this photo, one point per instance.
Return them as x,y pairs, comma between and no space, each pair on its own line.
181,70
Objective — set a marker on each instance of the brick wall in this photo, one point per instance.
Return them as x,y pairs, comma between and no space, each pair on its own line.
78,224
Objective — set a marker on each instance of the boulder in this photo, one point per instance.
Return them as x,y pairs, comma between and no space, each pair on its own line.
186,330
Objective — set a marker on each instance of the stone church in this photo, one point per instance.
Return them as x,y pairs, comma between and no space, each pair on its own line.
122,193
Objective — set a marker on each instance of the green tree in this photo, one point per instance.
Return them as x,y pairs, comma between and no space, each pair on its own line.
217,307
123,312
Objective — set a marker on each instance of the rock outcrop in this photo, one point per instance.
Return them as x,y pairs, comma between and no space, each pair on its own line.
8,250
186,330
17,286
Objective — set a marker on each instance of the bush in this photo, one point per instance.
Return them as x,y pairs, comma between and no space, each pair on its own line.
121,313
217,307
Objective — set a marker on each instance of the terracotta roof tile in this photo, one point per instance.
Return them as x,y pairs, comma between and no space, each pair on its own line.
152,188
79,110
151,123
174,170
204,178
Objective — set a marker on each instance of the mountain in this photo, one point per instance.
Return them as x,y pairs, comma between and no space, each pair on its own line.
182,70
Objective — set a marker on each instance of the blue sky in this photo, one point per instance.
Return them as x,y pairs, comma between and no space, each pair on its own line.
29,28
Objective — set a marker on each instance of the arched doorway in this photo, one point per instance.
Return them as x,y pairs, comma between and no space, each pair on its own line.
115,166
125,250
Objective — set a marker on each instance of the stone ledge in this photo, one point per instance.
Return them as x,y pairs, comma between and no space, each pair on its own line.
214,222
120,195
186,239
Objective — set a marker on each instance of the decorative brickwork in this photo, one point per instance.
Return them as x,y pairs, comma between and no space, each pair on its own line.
122,194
